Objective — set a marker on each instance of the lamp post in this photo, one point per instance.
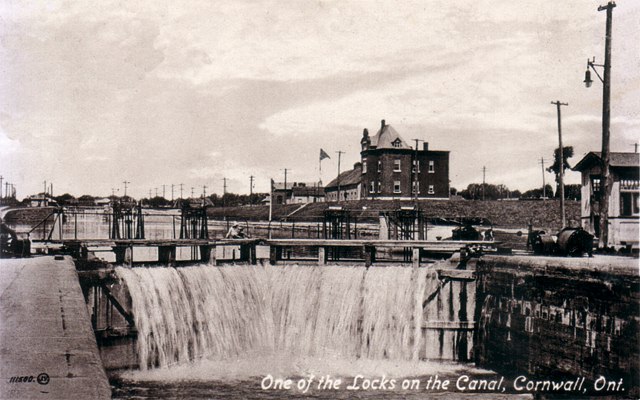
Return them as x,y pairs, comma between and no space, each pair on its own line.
606,180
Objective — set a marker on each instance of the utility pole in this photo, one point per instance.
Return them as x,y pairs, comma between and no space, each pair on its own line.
156,192
1,177
163,192
224,192
172,185
285,185
125,187
544,185
45,188
204,191
181,185
340,153
416,165
561,156
251,186
484,172
192,191
150,190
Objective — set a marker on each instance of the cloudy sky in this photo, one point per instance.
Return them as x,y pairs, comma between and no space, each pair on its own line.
155,93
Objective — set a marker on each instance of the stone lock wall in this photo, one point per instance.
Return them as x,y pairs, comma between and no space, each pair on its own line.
555,317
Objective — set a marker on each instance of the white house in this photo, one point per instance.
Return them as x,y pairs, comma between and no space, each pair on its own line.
624,206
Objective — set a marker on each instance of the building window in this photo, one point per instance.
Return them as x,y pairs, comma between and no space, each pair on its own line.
396,166
372,189
364,165
397,143
629,204
415,187
379,166
396,187
432,167
378,186
595,188
431,191
416,166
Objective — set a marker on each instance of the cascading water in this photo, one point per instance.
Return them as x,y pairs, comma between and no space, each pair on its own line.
218,313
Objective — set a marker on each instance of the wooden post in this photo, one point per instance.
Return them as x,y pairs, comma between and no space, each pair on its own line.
167,255
124,254
322,255
208,254
273,254
416,257
369,255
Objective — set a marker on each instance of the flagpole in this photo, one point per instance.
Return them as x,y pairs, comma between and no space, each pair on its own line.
270,205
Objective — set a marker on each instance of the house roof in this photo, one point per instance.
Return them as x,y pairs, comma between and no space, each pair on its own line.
616,160
291,185
347,178
386,136
316,191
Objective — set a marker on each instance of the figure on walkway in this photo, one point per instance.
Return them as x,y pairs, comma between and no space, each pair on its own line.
235,232
488,235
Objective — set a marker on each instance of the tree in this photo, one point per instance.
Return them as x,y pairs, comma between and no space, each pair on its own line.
65,199
573,192
567,152
538,192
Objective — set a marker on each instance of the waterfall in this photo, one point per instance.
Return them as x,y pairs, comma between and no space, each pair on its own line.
190,313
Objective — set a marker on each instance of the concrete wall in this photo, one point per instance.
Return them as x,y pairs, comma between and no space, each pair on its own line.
558,317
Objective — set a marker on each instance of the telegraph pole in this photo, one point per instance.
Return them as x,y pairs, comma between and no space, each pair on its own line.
172,185
163,192
251,186
125,187
192,191
181,191
2,178
156,191
204,191
285,185
224,186
340,153
415,173
607,181
484,172
561,156
544,185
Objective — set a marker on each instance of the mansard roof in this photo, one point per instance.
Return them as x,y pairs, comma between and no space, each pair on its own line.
386,137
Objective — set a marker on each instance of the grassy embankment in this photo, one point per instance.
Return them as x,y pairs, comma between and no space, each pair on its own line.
504,214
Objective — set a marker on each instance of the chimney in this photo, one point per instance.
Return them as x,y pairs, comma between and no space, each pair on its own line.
365,133
382,124
425,146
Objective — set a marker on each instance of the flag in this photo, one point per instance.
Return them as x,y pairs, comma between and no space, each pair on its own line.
323,155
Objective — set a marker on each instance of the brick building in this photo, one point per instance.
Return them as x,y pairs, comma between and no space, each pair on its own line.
389,168
297,192
347,186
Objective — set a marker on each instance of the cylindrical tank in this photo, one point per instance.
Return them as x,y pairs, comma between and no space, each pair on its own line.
574,242
543,243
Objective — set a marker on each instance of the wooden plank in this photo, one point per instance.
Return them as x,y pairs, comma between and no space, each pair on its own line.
450,325
457,274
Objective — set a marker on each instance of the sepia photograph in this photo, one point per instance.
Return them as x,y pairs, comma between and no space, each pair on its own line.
370,199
